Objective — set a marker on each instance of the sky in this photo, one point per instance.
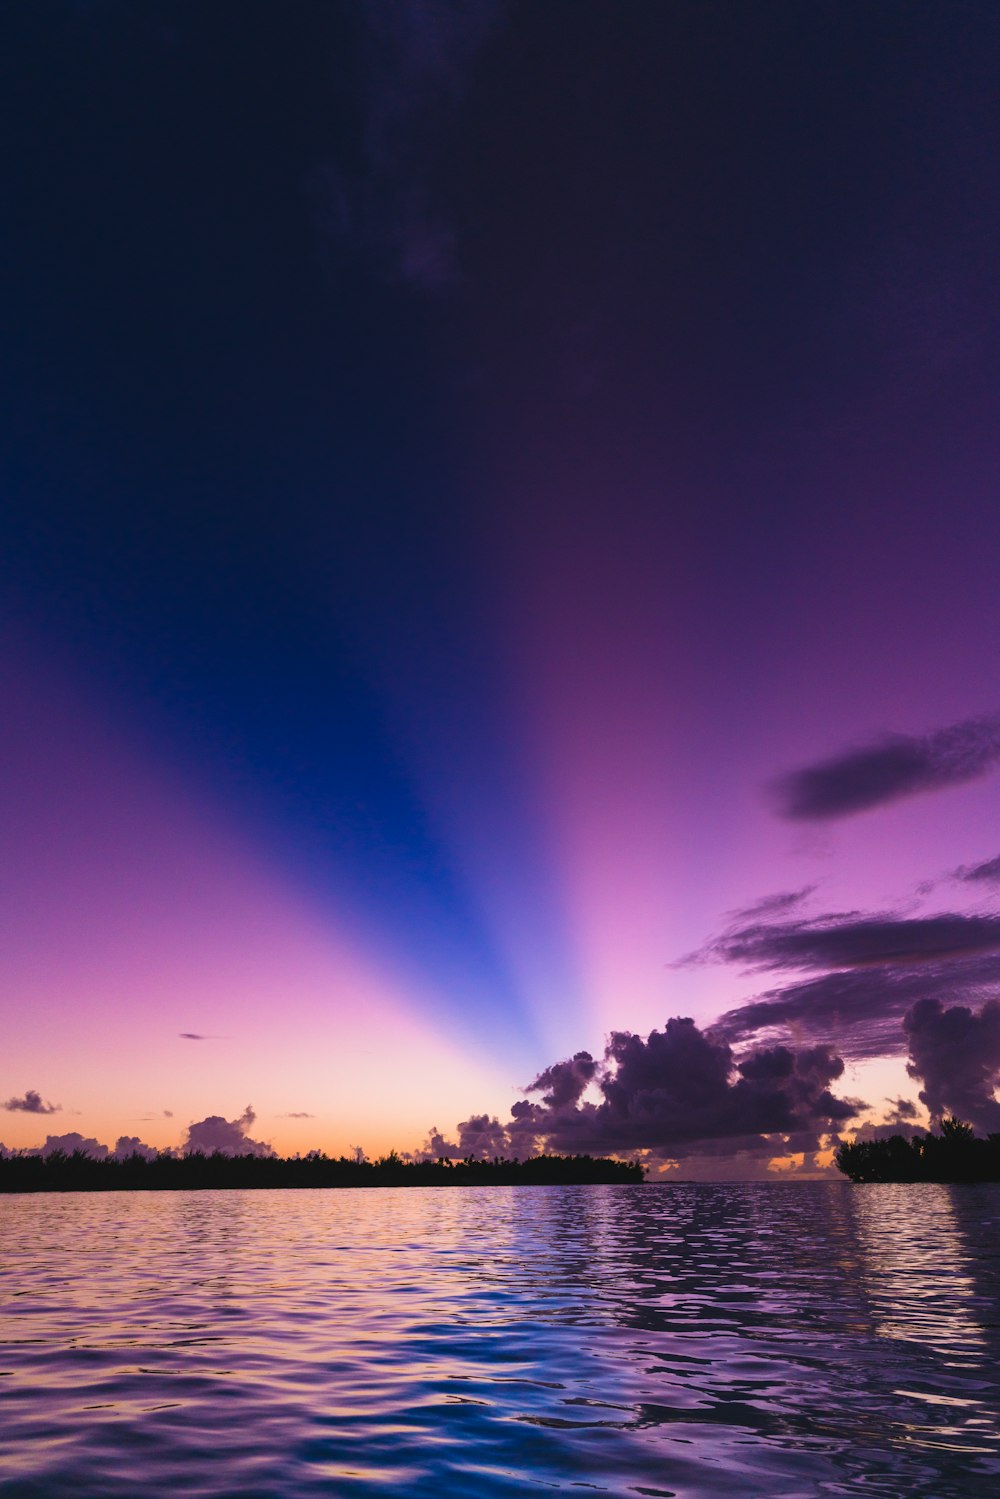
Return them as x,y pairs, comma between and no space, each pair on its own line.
498,536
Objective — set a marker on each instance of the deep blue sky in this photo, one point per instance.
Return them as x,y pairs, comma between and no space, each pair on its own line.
477,449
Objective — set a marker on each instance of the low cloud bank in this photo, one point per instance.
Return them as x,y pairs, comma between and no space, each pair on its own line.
895,766
229,1136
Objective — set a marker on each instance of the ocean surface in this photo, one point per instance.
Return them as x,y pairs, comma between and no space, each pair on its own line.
631,1340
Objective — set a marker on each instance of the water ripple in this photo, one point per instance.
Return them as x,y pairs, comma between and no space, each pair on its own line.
684,1341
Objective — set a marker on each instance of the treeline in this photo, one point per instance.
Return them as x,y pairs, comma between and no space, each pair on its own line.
78,1172
955,1155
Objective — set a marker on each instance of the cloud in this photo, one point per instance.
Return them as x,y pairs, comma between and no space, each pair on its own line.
301,1115
482,1137
479,1136
956,1053
417,58
876,968
774,905
987,873
896,766
228,1136
845,940
129,1145
681,1092
73,1142
903,1111
31,1103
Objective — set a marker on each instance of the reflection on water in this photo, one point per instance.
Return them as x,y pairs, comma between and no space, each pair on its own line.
786,1339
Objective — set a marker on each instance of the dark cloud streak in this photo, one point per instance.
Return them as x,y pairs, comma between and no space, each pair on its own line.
987,873
896,766
846,940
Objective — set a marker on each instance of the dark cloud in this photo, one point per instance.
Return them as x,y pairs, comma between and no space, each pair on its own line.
860,1012
987,873
877,968
31,1103
479,1136
955,1052
885,1131
564,1083
417,58
845,940
681,1092
229,1136
191,1036
437,1148
903,1111
896,766
299,1115
482,1137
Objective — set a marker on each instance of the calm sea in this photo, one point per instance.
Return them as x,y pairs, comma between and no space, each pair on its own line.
684,1340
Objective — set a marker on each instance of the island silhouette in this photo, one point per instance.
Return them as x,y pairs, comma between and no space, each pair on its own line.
957,1154
79,1172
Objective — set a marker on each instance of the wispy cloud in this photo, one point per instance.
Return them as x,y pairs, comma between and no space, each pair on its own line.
987,873
893,767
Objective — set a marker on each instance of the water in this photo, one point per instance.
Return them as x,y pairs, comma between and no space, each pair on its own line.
696,1341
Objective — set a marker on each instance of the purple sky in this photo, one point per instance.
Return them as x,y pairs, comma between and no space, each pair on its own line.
499,555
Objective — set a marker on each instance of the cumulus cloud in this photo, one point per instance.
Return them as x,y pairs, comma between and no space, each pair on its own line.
129,1145
437,1148
479,1136
681,1092
987,873
228,1136
72,1142
955,1052
31,1103
416,59
895,766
